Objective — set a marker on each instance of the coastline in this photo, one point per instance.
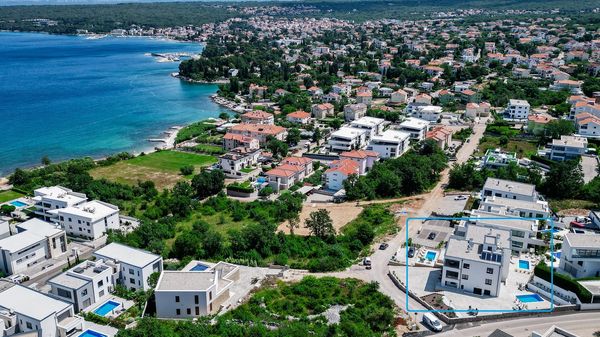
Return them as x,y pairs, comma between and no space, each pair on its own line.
189,80
157,140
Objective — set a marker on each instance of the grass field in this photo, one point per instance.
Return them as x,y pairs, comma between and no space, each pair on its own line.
9,195
523,149
160,167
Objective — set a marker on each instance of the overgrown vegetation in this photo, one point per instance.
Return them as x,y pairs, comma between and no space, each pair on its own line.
291,309
563,281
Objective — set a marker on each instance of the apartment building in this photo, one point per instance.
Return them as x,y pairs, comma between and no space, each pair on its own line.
364,159
509,189
477,263
567,148
390,143
290,171
24,310
581,255
259,131
372,125
85,284
517,109
523,232
36,241
193,292
587,125
53,198
417,128
258,117
347,139
89,220
515,208
354,111
338,172
430,113
441,135
134,265
298,117
232,141
237,159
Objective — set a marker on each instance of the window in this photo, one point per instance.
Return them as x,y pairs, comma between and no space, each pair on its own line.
196,300
131,272
197,311
210,296
189,311
178,312
177,299
84,292
488,281
29,326
63,293
466,265
465,277
490,271
132,281
100,283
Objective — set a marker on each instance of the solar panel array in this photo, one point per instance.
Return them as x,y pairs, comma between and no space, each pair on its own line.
489,256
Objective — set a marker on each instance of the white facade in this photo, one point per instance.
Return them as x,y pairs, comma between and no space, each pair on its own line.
373,125
567,148
509,189
430,113
417,128
89,220
231,163
517,109
53,198
190,293
581,255
85,284
477,263
347,138
135,265
23,310
390,144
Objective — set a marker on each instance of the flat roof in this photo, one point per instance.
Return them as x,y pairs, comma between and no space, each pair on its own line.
493,219
583,240
172,280
68,281
391,135
31,303
132,256
518,102
513,203
509,186
348,132
20,241
40,227
59,193
414,123
92,210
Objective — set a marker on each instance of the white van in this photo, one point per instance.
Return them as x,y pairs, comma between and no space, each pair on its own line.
432,321
367,261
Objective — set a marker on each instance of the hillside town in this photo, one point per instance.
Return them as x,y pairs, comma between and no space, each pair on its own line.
451,163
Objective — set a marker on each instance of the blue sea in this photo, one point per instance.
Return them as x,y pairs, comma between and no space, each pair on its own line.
68,96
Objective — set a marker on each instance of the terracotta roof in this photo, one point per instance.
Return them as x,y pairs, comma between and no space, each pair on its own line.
279,172
361,154
345,166
299,114
297,161
257,114
258,128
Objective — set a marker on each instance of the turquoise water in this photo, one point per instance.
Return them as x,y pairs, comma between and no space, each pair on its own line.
66,97
91,333
430,256
199,267
523,264
106,308
530,298
18,203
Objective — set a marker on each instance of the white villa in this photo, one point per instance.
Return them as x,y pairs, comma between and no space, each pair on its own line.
417,128
390,143
53,198
374,126
88,220
347,138
517,109
581,255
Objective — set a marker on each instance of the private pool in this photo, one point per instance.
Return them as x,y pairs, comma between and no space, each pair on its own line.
105,308
91,333
529,298
18,203
524,264
557,254
199,267
261,179
430,256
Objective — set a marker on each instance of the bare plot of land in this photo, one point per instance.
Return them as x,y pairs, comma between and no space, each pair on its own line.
341,214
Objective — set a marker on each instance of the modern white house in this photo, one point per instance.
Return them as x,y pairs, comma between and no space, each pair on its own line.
35,241
88,220
523,232
430,113
338,172
237,159
567,148
85,284
587,125
390,143
509,189
517,109
477,263
194,292
515,208
581,255
347,139
417,128
134,265
24,310
374,126
53,198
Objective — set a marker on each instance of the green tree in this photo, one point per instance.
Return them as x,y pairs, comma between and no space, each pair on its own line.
7,209
564,180
559,127
187,170
46,161
317,135
320,224
591,85
208,183
293,136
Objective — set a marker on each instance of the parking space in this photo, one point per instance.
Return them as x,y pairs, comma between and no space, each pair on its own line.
451,204
432,232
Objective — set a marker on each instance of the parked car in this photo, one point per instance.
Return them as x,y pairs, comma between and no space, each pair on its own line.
431,236
432,321
383,246
411,252
460,197
367,261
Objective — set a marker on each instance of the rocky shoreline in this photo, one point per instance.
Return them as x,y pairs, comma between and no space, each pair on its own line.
187,79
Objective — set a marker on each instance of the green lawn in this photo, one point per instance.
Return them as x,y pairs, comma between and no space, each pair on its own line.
9,195
523,149
160,167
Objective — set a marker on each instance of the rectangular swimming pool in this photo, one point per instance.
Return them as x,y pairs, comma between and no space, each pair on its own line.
199,267
105,308
91,333
529,298
524,264
18,203
430,256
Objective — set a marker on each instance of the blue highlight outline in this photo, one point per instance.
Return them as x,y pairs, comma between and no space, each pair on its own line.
551,228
